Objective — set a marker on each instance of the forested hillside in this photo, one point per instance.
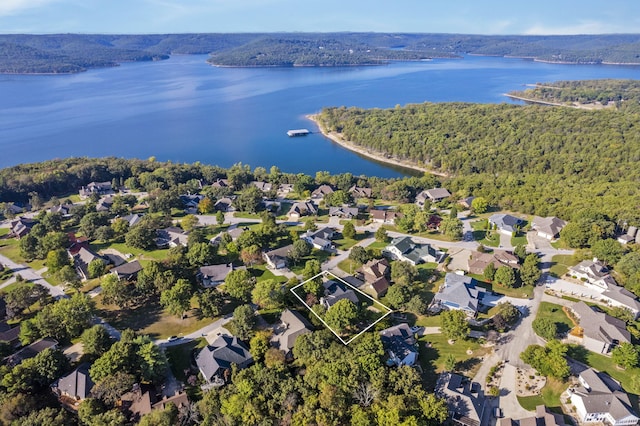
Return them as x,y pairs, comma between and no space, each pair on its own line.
532,159
64,53
620,93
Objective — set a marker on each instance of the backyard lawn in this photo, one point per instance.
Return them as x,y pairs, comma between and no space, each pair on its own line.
262,273
179,356
556,314
560,264
604,363
549,397
484,237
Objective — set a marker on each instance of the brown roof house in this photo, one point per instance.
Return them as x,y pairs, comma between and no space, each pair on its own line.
543,417
479,261
82,259
285,332
21,226
214,275
386,216
375,273
319,193
215,360
465,400
597,331
127,271
359,192
302,208
434,195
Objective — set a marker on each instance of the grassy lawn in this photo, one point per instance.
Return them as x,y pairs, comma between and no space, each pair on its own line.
262,273
378,245
150,319
180,356
484,237
156,254
522,292
15,285
320,255
556,314
519,240
349,266
347,243
560,264
244,215
428,321
549,397
432,358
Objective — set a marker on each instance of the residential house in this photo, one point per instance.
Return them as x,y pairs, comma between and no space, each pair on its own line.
400,344
548,227
344,212
458,292
172,237
375,274
302,208
14,209
104,204
543,417
220,183
319,193
9,334
406,250
190,202
31,351
132,219
127,271
358,192
285,332
594,273
600,399
465,400
284,189
262,186
180,400
21,226
434,195
479,261
597,331
623,298
65,210
82,259
74,387
335,291
214,275
77,243
277,258
320,239
215,360
100,188
138,402
466,202
505,223
387,217
630,236
224,204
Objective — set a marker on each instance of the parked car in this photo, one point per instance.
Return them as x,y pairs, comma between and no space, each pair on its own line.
172,338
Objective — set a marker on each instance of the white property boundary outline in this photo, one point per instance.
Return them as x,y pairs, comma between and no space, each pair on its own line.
324,274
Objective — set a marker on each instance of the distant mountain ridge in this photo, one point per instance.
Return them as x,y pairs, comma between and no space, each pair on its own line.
68,53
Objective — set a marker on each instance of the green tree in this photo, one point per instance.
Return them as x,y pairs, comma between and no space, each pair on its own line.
545,328
349,230
68,277
249,200
201,254
96,341
520,251
381,235
359,254
96,268
166,417
268,294
505,276
479,205
189,222
28,247
398,295
219,217
450,362
452,228
259,344
177,299
110,387
239,284
251,254
625,355
141,236
489,272
206,206
300,249
211,302
454,324
244,319
342,315
608,250
530,272
116,292
91,222
403,273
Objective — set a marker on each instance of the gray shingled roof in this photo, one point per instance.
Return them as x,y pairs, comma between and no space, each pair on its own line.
603,395
291,325
77,384
459,292
600,326
221,354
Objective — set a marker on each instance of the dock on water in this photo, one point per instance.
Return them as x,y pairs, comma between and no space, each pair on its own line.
298,132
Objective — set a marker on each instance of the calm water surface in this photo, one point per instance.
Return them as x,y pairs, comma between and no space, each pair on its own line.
185,110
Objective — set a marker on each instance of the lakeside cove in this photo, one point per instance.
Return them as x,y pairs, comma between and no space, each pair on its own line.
377,156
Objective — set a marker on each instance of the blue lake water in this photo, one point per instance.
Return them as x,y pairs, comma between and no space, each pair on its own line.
185,110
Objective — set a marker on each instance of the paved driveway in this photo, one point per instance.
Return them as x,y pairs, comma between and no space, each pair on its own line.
508,399
29,274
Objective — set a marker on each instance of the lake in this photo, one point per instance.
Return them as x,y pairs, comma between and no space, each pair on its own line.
184,110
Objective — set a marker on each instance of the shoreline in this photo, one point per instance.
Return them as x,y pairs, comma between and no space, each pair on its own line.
337,138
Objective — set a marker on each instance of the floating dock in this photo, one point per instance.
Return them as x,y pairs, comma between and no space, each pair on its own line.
298,132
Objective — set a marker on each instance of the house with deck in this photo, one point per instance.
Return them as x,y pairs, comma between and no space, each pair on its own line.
400,344
459,292
335,291
320,239
406,250
215,360
302,208
287,329
465,400
597,331
434,195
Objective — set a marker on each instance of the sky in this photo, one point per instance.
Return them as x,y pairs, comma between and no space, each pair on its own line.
419,16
